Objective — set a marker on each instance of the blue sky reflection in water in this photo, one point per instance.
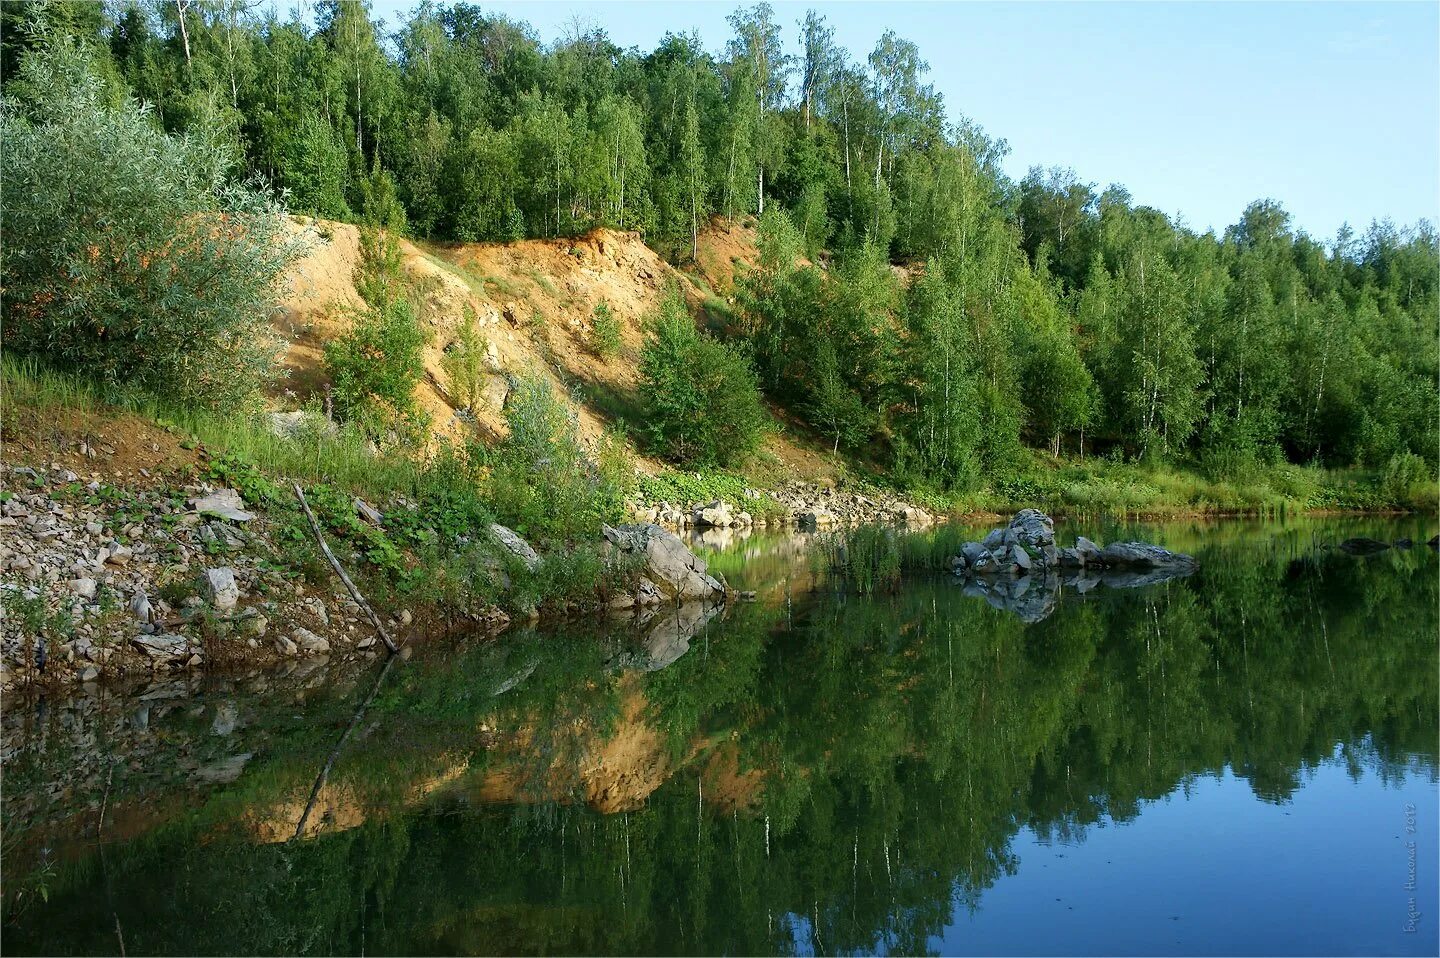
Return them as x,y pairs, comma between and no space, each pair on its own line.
1212,869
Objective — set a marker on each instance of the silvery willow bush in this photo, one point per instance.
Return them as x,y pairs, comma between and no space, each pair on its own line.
130,255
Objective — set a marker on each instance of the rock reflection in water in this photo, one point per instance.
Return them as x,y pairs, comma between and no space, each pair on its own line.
667,634
1034,597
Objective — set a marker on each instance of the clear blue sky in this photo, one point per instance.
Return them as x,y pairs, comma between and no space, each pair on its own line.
1197,108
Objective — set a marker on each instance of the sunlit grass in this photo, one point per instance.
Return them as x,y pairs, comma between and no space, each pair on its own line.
342,457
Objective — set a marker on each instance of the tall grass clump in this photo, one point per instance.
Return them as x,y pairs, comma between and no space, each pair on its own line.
866,558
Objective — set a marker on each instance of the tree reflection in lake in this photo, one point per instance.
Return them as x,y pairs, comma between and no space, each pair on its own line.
814,773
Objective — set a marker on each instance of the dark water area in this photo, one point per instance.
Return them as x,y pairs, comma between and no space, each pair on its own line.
1242,761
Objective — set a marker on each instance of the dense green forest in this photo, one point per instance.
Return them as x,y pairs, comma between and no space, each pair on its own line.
914,304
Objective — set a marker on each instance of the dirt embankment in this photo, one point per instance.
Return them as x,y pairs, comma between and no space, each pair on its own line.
534,303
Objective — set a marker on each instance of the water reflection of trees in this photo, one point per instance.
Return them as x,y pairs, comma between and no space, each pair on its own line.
896,746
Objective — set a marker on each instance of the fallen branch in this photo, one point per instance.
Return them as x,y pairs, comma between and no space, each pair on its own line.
335,564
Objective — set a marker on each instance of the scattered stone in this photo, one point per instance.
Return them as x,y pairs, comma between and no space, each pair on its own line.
85,588
163,647
815,519
140,607
308,642
714,515
219,587
223,504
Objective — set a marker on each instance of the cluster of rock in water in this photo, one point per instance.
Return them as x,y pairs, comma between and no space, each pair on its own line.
1365,546
1021,569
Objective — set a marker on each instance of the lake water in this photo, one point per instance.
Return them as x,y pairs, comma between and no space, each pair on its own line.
1240,762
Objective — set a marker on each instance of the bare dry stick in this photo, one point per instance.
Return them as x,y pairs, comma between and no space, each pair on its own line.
335,564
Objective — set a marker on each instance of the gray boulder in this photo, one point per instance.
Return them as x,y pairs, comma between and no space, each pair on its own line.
971,552
309,643
223,504
667,562
1033,528
515,545
219,587
714,515
1089,553
1142,555
163,648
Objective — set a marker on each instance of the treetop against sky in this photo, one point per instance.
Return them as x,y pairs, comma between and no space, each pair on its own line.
1196,108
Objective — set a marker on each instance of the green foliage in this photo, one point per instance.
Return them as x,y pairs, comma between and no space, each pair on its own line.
1044,313
375,368
702,402
464,363
1408,479
542,481
130,255
604,331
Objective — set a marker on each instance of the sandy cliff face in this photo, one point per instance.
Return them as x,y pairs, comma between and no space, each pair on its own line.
534,304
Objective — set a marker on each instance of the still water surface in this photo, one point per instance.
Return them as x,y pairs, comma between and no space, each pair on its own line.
1233,763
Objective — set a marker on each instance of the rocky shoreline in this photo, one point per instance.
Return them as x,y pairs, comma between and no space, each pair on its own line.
103,582
797,505
1021,569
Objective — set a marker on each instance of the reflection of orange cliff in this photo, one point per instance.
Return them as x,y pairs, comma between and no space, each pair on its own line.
614,770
